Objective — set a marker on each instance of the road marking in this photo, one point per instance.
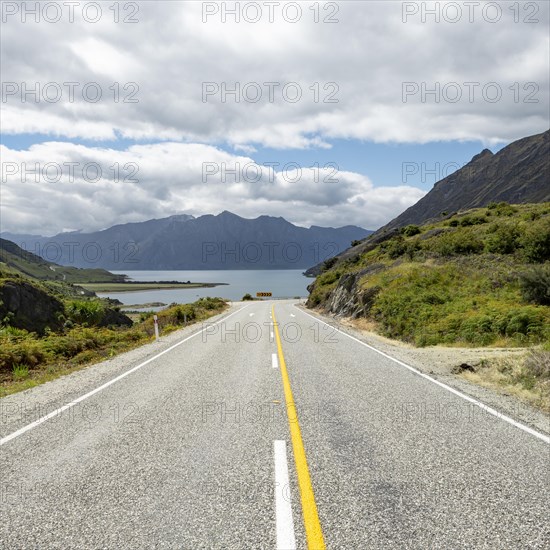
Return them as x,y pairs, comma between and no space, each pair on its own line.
284,521
58,411
251,314
274,362
481,405
314,533
292,315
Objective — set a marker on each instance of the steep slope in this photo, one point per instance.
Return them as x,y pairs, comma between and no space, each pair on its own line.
518,174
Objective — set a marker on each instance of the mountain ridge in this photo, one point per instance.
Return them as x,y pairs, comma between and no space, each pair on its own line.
519,173
222,241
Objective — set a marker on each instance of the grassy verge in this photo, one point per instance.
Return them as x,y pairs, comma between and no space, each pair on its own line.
27,359
527,378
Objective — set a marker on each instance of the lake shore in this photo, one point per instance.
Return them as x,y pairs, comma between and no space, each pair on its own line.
137,286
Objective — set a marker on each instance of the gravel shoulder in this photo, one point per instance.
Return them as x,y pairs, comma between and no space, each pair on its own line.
439,362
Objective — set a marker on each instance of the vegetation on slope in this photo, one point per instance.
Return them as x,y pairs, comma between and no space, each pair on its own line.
480,277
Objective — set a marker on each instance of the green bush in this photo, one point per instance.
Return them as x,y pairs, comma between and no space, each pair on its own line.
89,312
247,297
329,263
410,230
210,303
536,242
395,247
502,239
472,220
535,285
502,208
456,243
185,312
29,352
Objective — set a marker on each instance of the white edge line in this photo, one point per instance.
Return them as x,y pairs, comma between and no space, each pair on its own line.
47,417
284,522
481,405
274,361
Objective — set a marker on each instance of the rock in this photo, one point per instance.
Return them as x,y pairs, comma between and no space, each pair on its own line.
459,369
29,307
349,299
113,317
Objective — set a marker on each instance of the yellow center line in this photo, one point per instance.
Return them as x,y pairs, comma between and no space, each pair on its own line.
314,533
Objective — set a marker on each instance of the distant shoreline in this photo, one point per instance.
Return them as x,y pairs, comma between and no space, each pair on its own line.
138,286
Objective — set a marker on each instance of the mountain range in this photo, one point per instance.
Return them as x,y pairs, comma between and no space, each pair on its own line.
182,242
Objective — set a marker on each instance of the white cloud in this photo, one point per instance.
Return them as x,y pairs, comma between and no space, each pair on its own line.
369,53
51,187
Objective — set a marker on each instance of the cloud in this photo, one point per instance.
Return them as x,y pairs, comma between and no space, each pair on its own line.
360,63
57,186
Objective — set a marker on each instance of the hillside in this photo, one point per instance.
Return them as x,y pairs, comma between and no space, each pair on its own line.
26,263
480,277
518,174
225,241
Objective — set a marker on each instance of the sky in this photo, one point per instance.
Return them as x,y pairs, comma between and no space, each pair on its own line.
324,113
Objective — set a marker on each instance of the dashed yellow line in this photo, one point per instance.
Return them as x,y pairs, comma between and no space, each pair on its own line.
314,533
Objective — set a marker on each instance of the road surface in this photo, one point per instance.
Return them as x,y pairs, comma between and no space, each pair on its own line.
269,429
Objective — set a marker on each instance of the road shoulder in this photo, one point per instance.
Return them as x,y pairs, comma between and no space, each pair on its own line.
438,362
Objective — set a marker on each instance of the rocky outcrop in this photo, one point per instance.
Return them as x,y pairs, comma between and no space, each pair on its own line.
28,307
113,317
349,299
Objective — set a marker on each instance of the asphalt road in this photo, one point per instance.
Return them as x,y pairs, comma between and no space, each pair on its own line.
198,448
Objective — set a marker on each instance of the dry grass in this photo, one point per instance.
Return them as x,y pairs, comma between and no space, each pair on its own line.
526,377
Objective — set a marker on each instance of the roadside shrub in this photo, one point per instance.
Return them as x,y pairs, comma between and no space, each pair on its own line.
535,285
144,315
327,278
478,330
28,352
248,297
526,321
20,372
85,311
185,312
210,303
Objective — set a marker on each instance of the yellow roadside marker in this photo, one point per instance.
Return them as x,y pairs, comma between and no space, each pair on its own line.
314,533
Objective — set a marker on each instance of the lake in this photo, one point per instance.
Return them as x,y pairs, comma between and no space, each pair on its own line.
282,283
